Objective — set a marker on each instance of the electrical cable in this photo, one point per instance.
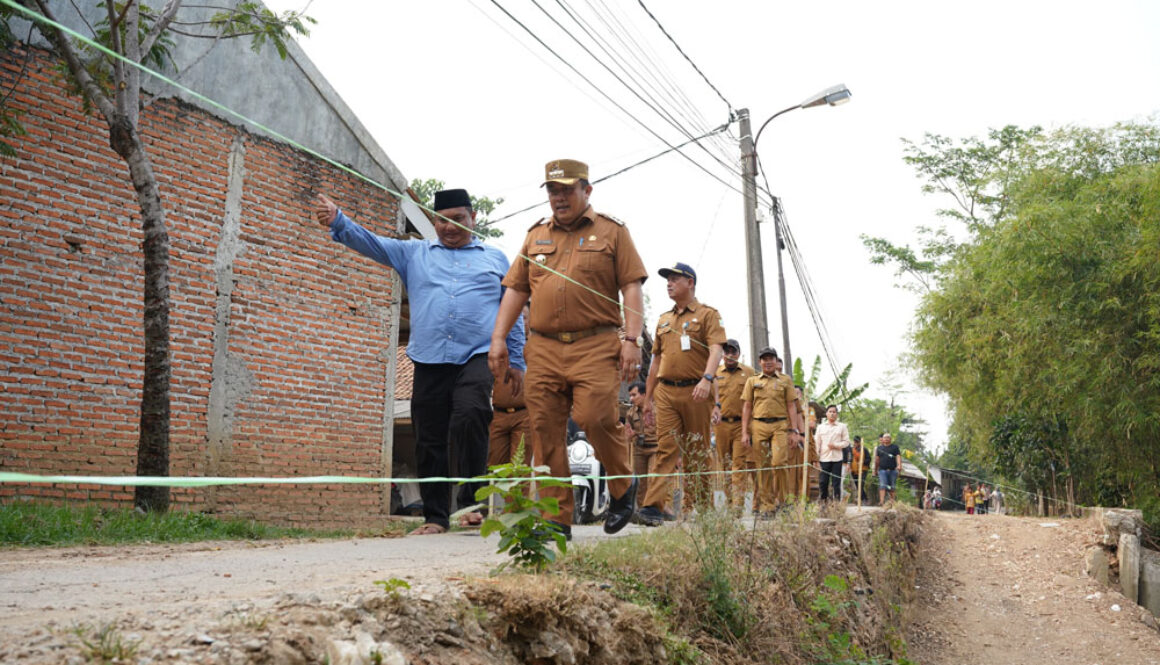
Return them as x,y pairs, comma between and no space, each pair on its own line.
614,102
623,170
651,102
687,58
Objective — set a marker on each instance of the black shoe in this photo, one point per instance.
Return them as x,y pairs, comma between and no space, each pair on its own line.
565,529
669,517
650,516
620,511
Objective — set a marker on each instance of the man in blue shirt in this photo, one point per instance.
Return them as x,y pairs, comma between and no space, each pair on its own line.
455,291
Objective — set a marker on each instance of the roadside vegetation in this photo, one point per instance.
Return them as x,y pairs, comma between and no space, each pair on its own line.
1038,319
35,524
807,587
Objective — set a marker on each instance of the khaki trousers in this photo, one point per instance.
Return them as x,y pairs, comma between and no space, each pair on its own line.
683,427
742,463
769,440
643,463
504,436
581,378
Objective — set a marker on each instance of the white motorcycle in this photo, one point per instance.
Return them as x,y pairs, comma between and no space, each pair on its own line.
590,490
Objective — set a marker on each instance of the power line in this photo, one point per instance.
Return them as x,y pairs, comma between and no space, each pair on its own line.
606,96
648,61
687,58
651,103
623,170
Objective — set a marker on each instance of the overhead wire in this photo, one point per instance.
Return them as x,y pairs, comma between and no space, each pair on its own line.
610,99
644,76
619,172
805,282
686,56
650,102
622,29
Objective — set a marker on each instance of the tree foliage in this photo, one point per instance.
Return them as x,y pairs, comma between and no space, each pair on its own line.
836,392
1042,324
425,190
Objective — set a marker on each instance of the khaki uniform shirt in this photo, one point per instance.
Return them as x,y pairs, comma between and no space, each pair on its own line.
729,387
702,324
501,397
769,395
598,252
642,434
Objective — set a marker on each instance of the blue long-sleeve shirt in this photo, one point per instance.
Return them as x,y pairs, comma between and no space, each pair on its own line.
454,293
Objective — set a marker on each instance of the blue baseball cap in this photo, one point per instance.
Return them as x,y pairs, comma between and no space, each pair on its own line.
682,269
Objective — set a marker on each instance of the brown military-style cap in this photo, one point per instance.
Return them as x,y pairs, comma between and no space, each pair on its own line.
565,171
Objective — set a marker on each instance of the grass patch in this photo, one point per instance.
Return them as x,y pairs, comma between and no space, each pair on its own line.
808,587
104,644
33,524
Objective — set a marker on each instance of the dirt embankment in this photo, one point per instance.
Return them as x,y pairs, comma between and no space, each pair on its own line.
984,589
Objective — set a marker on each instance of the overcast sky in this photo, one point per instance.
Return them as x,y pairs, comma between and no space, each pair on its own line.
456,90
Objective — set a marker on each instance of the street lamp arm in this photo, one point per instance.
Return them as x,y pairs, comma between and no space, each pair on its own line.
762,128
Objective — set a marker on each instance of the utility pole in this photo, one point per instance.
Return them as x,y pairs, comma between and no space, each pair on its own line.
758,326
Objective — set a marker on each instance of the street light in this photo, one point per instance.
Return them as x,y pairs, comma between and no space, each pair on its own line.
759,326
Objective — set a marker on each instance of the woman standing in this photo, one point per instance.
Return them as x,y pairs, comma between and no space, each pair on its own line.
832,437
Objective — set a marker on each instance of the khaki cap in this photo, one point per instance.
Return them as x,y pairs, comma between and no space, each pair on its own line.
565,171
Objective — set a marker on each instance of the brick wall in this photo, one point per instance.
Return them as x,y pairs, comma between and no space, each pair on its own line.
279,336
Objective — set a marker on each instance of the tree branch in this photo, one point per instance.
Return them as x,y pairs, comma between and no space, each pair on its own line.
115,38
89,86
92,30
168,14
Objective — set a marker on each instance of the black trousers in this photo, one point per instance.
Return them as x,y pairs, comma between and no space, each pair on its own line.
860,481
451,408
830,480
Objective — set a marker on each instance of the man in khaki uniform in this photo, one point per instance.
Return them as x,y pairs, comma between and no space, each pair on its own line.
731,455
767,408
686,352
509,426
574,266
509,422
642,438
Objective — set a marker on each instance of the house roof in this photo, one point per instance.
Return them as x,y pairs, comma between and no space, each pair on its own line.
404,374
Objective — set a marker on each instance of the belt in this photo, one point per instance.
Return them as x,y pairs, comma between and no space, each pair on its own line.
572,336
684,383
770,420
730,419
509,409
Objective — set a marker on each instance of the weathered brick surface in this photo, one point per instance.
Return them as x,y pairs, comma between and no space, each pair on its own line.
307,318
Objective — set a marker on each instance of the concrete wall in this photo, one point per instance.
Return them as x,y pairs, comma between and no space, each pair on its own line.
281,339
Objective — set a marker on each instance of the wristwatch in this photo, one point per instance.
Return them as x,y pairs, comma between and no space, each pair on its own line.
709,377
635,340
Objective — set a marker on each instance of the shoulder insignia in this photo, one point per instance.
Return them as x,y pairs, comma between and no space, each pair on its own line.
610,218
540,221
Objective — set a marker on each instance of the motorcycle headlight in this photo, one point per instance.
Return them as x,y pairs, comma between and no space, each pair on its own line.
579,451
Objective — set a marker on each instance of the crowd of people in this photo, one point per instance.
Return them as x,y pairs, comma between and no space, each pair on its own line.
508,351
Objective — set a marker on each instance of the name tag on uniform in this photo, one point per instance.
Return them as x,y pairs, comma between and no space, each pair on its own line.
686,344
